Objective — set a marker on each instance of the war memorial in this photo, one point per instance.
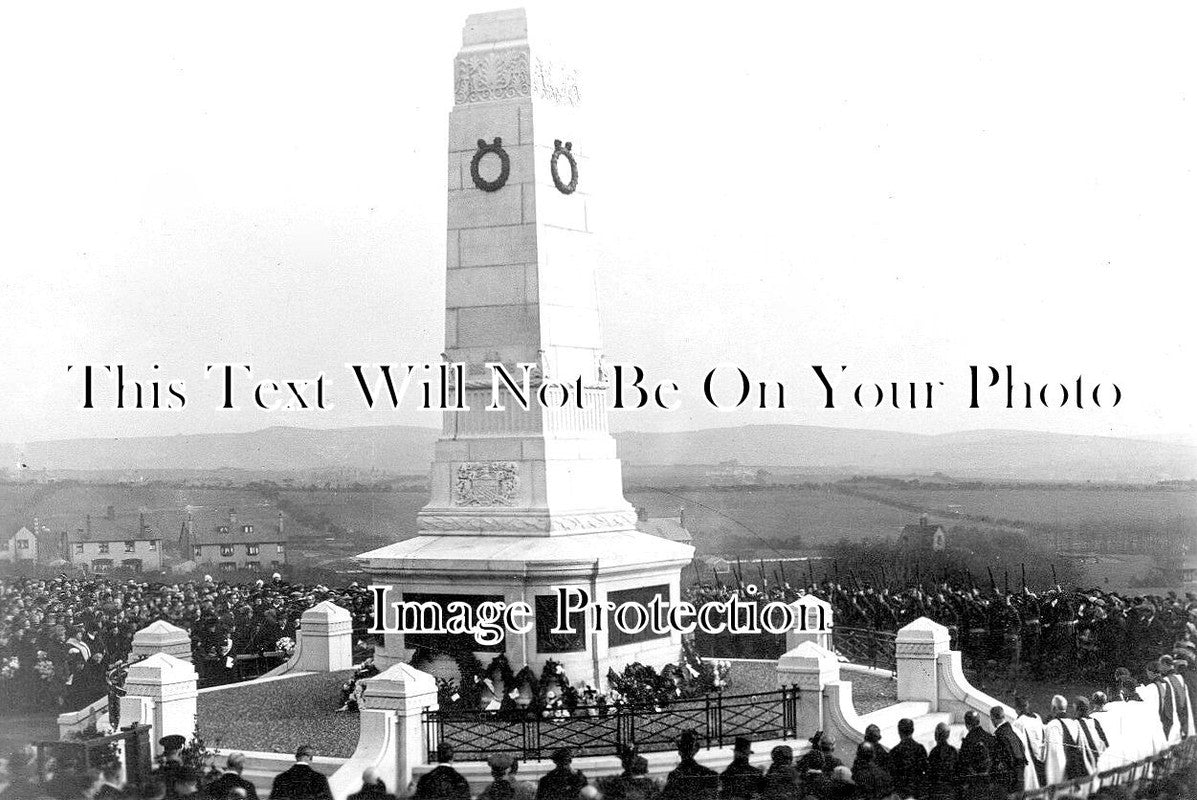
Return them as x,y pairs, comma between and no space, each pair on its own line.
527,505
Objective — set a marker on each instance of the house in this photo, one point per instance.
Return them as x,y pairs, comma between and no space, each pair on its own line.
671,528
115,542
924,536
19,545
231,541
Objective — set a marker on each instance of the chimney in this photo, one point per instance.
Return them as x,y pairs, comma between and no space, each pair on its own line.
641,513
232,516
140,522
111,512
280,523
87,526
681,516
923,519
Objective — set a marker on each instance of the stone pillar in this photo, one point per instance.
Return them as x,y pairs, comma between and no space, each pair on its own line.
161,693
394,701
919,646
809,667
162,637
325,639
815,620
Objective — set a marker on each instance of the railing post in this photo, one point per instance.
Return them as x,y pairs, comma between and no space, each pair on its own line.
807,668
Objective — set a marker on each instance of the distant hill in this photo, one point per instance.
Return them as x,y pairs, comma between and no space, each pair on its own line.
994,454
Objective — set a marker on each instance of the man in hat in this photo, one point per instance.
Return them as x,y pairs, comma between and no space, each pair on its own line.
171,768
500,787
562,782
301,781
741,780
690,780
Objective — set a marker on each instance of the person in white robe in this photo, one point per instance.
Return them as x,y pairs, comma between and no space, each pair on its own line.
1065,755
1164,700
1182,698
1029,727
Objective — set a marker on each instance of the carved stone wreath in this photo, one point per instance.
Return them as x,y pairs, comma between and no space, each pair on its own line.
558,151
486,483
504,165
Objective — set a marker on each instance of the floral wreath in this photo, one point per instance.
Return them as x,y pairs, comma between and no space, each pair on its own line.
504,165
567,151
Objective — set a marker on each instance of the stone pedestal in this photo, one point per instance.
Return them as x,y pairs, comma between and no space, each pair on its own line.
392,731
325,639
919,646
162,637
815,620
809,667
161,692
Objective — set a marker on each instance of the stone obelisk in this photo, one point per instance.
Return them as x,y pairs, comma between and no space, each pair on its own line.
523,500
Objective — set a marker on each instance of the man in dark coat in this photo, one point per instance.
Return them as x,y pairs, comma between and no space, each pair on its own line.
442,782
172,769
301,781
1009,758
690,780
231,779
976,757
908,762
741,780
562,782
872,782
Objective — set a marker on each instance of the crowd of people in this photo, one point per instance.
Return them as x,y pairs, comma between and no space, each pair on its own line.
57,638
1006,633
61,639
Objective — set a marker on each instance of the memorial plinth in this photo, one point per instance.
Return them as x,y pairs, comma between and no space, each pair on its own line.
524,500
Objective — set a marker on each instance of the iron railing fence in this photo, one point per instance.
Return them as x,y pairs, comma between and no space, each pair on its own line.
868,647
871,648
594,730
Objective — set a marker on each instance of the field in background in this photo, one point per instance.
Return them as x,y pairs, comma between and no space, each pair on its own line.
327,526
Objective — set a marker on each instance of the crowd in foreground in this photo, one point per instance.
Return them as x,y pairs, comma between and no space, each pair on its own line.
61,639
1022,752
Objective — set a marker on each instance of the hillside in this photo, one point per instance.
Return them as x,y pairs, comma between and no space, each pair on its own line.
1009,455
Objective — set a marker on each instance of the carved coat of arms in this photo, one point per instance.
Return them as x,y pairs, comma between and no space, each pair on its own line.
486,483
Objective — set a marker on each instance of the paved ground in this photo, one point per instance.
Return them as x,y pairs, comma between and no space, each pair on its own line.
280,715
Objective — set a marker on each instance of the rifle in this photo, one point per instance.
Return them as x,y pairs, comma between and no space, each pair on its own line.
992,582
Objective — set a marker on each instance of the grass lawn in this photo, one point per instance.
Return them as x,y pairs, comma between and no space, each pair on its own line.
280,715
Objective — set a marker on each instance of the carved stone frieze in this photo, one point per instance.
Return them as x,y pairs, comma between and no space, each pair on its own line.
511,72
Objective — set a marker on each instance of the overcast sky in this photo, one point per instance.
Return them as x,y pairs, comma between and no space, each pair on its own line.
906,189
